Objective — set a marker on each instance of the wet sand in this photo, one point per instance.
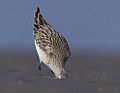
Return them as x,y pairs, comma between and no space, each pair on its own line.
87,74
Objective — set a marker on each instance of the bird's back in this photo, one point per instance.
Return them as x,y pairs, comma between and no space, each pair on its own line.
48,39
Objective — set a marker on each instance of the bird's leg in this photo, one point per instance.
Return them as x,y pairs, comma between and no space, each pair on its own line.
52,72
39,67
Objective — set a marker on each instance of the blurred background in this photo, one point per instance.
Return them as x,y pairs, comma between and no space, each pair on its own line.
88,25
92,29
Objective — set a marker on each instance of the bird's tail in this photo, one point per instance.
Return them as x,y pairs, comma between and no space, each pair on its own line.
39,21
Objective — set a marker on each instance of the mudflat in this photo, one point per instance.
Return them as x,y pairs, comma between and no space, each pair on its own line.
87,74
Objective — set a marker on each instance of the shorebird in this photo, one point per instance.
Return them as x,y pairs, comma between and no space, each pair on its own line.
52,48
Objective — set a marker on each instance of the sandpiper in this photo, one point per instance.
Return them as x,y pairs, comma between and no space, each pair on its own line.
52,48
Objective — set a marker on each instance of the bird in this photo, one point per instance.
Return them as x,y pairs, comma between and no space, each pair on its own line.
52,48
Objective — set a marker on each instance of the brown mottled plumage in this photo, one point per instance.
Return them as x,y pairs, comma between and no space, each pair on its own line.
51,46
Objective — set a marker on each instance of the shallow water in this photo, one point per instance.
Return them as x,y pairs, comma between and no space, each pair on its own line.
87,74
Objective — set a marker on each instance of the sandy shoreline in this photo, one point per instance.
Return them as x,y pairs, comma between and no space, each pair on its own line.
88,74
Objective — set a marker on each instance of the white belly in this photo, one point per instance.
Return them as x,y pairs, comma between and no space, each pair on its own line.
41,53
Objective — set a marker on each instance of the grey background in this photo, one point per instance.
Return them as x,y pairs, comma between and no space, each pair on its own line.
88,25
91,28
